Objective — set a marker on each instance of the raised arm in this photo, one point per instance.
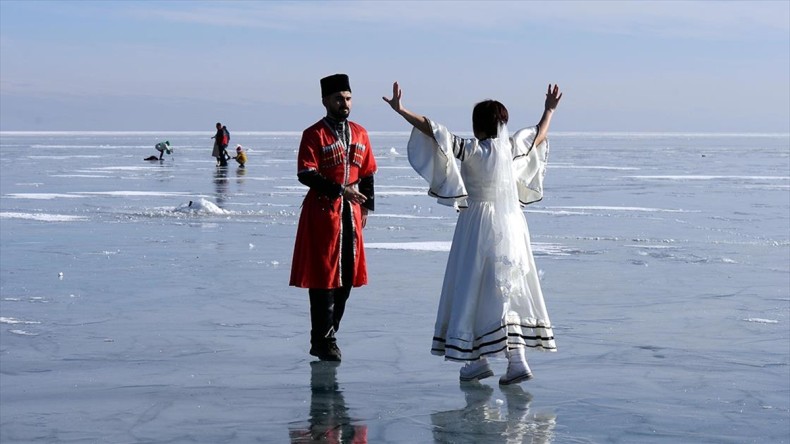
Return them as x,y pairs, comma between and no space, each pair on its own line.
553,97
419,122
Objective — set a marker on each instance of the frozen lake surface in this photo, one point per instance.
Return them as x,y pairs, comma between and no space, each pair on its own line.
127,316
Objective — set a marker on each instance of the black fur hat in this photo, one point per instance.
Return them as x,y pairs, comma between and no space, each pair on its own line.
334,83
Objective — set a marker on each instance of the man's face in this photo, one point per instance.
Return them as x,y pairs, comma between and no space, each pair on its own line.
338,105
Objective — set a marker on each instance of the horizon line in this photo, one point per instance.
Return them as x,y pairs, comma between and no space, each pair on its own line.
399,132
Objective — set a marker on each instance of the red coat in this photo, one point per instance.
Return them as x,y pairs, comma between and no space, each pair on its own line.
316,259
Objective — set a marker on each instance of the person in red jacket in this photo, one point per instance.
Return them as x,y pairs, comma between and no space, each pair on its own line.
221,141
336,162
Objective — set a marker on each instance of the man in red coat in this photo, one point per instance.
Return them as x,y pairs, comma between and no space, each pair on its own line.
336,162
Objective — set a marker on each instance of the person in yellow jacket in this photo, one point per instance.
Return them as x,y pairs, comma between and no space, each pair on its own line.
240,157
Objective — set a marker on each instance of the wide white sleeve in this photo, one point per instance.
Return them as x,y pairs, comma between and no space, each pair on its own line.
433,159
529,164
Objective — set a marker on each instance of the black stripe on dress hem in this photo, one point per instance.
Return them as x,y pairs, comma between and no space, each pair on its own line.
442,352
516,335
508,325
472,350
431,193
440,339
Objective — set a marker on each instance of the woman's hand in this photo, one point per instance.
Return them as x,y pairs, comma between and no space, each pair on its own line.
394,102
553,98
419,122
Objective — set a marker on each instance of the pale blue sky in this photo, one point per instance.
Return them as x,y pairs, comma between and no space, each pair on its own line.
255,65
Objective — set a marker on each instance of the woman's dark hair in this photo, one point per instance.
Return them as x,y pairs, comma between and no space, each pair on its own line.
486,117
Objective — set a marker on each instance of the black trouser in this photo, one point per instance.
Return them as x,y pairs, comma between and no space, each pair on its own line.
328,305
223,156
326,311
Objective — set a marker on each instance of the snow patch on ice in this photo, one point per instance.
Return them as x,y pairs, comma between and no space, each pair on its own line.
201,206
410,246
613,208
709,177
762,321
14,321
440,246
22,332
405,216
41,196
135,193
41,217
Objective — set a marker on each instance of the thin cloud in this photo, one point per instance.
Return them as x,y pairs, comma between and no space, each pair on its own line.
714,20
718,20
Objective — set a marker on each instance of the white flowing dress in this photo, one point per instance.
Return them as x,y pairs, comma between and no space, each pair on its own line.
491,298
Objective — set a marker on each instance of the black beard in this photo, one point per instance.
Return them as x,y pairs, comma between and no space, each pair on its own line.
338,116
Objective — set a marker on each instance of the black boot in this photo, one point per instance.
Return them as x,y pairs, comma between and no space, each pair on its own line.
325,349
322,335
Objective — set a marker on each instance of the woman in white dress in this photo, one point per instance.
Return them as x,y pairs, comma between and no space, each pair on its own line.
491,300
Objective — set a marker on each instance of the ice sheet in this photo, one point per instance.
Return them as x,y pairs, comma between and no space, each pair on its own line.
127,315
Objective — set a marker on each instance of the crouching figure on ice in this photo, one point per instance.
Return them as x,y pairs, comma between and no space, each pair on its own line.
491,301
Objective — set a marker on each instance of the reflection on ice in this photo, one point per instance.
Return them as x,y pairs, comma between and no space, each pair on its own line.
221,187
329,419
482,421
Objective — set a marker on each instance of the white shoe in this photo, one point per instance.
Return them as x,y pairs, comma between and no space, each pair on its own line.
476,370
517,371
514,378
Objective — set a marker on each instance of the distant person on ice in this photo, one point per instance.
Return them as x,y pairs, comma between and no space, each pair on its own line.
240,156
336,162
162,147
491,299
221,141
